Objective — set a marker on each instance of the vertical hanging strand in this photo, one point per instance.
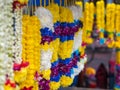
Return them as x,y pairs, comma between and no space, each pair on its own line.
60,2
35,5
49,2
117,44
32,6
41,3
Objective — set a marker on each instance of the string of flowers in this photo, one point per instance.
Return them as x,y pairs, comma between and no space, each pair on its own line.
117,45
47,48
6,46
89,18
31,50
18,36
66,46
100,12
117,26
55,76
110,24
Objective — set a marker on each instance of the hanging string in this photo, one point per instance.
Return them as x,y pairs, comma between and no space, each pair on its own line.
60,2
44,3
40,3
35,5
28,8
52,1
32,7
65,3
49,2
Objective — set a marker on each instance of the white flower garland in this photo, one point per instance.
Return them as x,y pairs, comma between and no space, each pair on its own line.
18,36
6,39
45,17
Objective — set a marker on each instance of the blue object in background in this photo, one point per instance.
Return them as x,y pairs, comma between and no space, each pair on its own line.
109,1
37,2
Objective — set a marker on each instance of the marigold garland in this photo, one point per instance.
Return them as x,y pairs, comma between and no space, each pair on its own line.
88,21
110,25
100,12
31,49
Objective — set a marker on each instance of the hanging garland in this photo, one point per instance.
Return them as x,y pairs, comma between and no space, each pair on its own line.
88,21
117,45
47,48
55,76
6,39
31,50
100,12
110,25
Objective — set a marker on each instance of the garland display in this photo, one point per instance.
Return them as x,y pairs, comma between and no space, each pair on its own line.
46,51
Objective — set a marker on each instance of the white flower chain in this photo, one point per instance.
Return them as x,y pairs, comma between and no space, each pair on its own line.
45,17
17,48
6,39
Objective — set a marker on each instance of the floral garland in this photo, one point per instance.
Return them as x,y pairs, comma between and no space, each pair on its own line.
18,36
110,25
31,50
55,76
19,65
6,47
47,48
88,21
100,20
117,45
66,46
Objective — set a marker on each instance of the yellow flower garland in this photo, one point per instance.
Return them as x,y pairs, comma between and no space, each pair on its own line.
110,25
117,23
88,22
117,43
31,49
100,18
